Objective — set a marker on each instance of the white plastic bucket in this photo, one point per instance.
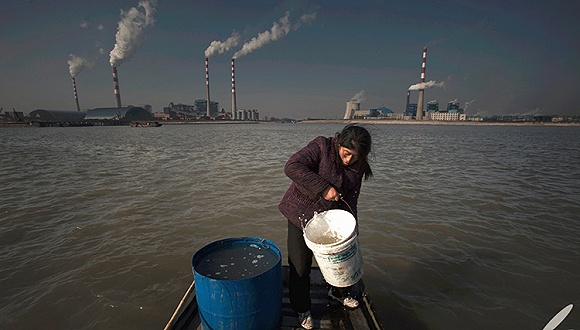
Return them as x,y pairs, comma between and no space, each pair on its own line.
332,237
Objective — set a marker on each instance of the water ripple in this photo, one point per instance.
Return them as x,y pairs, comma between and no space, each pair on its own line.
467,227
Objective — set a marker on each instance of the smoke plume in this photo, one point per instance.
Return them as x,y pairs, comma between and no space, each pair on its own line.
279,29
359,97
131,26
467,104
77,64
306,18
223,46
426,85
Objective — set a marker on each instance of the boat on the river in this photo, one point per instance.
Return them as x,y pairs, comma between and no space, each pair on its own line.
327,313
145,124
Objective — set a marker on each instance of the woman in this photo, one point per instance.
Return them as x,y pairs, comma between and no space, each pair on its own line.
326,174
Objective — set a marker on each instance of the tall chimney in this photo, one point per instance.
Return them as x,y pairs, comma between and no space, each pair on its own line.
422,91
116,87
408,100
234,105
208,111
76,95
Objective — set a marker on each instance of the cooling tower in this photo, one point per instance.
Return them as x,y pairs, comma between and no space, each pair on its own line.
351,107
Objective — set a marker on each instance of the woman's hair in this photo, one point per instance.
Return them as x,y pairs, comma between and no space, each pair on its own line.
359,139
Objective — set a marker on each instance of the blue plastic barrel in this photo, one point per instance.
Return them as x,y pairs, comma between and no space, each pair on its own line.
238,284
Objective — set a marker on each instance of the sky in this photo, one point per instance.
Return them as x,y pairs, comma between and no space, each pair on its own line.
295,59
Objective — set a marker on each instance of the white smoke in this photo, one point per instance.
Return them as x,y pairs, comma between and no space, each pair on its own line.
77,64
426,85
131,26
359,97
533,112
306,18
100,48
467,104
279,29
223,46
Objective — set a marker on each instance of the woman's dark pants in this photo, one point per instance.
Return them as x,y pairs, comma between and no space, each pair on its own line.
300,260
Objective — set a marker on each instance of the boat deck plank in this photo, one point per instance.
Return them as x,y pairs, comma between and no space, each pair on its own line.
327,313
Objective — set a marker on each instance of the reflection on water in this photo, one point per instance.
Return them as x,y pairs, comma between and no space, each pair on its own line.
461,226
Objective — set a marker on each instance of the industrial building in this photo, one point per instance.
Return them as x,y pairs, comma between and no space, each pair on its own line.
433,106
453,107
378,113
411,110
252,115
129,113
184,111
57,116
202,105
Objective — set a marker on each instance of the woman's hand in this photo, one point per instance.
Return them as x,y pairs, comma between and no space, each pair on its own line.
330,194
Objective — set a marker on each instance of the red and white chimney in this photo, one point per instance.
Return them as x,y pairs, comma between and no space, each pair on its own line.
422,91
208,108
234,105
116,87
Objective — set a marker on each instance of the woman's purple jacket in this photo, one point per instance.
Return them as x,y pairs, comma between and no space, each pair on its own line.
313,169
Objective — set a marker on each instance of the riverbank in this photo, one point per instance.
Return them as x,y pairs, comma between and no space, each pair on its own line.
338,121
431,122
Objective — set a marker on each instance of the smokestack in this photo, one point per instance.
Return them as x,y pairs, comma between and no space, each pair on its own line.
76,95
408,99
234,105
422,91
208,112
116,87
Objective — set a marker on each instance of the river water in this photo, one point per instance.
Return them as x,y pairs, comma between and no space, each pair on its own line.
461,227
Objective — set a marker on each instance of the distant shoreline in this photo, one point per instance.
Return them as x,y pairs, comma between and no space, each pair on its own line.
433,122
344,122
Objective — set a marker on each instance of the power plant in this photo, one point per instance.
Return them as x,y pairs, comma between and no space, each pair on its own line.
116,87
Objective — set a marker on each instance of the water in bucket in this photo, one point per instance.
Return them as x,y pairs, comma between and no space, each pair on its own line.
237,261
332,237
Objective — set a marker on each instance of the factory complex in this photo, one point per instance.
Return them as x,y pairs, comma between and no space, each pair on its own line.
209,110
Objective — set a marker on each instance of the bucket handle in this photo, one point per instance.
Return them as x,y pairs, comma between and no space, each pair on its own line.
303,222
345,202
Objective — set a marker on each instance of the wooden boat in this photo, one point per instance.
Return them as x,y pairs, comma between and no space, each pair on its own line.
327,313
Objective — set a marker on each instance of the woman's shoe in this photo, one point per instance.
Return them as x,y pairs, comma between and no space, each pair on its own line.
306,320
347,301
